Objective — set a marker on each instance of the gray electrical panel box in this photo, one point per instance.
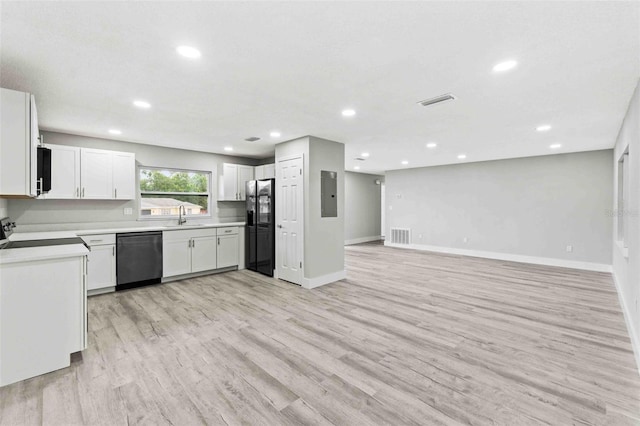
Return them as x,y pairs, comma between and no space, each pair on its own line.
328,194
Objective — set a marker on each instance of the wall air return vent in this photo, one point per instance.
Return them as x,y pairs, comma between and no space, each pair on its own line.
400,236
438,99
252,139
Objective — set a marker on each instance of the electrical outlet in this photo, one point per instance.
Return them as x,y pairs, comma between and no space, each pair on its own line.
465,240
420,236
128,210
569,248
390,207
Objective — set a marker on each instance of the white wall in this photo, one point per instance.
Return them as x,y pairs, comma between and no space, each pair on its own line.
532,207
362,207
33,215
626,270
323,237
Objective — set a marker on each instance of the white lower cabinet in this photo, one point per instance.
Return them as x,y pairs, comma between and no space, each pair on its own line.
203,253
101,274
198,250
176,254
227,253
43,316
187,251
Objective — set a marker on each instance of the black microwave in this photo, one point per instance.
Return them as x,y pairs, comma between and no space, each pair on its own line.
44,170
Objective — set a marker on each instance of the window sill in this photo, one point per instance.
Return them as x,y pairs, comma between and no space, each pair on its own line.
624,250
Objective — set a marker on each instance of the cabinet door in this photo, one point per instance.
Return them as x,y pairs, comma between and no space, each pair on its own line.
269,171
203,254
245,173
176,257
124,176
102,267
65,172
34,135
15,148
229,183
227,251
96,174
258,172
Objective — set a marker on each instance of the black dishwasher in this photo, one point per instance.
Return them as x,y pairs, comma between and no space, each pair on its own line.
138,259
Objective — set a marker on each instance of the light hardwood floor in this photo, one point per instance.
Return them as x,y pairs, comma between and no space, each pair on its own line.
409,338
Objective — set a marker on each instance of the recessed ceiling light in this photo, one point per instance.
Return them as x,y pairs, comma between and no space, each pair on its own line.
274,134
462,157
432,145
115,132
405,162
356,167
228,148
505,66
555,146
364,154
543,128
188,52
142,104
348,112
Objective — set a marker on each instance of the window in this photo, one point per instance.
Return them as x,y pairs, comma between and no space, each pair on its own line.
163,191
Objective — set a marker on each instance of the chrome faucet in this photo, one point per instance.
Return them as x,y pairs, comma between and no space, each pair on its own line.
182,212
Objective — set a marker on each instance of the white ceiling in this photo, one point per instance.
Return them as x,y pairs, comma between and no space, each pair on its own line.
293,66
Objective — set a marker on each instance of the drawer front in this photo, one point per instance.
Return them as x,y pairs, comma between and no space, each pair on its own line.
99,239
229,230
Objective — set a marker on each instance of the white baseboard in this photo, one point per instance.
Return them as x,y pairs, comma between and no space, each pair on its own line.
310,283
573,264
633,334
362,240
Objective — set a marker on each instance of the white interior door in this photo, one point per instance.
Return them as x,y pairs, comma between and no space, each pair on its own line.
289,220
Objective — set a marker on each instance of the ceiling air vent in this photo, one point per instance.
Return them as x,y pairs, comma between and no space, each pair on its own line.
438,99
252,139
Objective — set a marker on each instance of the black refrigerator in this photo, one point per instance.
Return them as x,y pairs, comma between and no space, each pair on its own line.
260,244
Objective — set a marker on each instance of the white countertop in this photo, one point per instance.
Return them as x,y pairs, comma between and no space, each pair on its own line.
41,253
46,235
52,252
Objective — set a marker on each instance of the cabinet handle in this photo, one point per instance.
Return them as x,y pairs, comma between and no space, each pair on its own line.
82,195
115,192
218,240
78,192
113,250
193,243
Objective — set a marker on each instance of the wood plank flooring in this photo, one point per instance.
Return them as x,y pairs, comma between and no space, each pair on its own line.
409,338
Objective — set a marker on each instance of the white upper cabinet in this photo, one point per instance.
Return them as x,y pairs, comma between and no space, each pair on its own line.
124,176
92,174
245,174
96,171
231,181
19,138
266,171
65,172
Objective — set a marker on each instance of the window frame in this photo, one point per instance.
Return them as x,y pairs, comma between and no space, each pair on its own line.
141,217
